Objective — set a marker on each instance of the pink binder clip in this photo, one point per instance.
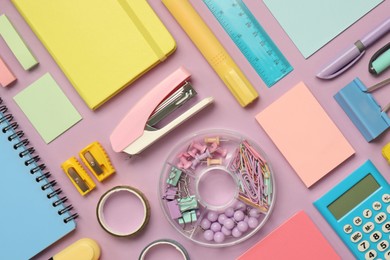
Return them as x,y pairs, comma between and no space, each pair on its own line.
138,129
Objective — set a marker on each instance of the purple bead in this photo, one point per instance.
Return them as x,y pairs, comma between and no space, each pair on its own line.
208,235
225,231
246,219
212,216
236,232
253,222
254,213
205,223
240,205
221,218
215,227
219,237
239,215
229,223
242,226
229,212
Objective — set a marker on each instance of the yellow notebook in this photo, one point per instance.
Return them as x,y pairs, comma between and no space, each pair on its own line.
101,45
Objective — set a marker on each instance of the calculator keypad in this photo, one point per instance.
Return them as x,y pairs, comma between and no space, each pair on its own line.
370,231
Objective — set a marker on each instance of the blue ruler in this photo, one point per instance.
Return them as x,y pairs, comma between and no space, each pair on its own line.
251,39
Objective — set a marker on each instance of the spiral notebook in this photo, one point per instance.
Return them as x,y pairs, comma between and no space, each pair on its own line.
34,213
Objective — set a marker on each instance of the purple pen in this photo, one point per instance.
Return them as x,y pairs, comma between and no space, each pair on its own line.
350,56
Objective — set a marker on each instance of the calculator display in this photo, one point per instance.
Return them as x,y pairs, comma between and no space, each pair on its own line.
352,197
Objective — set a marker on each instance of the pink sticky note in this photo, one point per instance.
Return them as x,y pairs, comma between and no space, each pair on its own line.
297,238
6,76
304,134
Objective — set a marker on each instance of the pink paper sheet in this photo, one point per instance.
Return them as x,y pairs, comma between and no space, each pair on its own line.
304,134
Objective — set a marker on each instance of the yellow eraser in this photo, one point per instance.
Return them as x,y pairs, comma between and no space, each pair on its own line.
83,249
96,159
78,175
386,152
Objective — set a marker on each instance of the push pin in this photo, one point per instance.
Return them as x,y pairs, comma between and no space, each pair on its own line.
214,148
201,148
217,161
199,158
193,152
214,139
184,163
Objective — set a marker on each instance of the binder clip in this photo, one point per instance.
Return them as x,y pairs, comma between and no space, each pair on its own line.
138,129
360,106
78,176
96,159
386,152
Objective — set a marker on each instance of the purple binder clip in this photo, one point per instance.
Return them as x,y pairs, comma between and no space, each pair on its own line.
360,106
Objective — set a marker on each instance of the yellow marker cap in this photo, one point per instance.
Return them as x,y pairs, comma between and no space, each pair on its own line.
83,249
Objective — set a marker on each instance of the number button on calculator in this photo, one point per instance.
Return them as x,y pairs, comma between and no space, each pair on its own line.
363,246
386,227
383,245
375,236
371,254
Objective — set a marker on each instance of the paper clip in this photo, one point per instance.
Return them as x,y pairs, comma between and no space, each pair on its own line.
78,176
96,159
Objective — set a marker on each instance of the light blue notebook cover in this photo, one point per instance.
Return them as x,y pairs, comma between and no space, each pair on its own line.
28,220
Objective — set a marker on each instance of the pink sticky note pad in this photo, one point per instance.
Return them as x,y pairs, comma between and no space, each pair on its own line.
6,76
305,134
297,238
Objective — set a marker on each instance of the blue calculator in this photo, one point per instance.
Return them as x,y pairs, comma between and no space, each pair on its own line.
358,209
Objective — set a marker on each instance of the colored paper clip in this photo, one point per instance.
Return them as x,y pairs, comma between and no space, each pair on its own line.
380,61
138,129
386,152
78,176
363,110
96,159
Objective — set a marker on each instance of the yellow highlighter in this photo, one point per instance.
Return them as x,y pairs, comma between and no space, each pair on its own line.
212,50
83,249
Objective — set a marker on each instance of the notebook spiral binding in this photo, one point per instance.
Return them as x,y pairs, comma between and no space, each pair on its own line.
34,160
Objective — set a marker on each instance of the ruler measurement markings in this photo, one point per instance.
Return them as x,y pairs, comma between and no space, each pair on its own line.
251,39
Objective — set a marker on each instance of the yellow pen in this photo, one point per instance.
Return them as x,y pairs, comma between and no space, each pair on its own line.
212,50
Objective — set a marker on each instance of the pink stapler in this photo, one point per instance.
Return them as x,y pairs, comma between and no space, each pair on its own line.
138,129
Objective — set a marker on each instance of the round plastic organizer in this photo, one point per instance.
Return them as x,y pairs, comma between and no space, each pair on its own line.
217,188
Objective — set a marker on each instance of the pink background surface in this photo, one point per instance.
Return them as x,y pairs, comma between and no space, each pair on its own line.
143,171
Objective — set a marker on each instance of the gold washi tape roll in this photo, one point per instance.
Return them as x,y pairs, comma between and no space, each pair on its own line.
101,216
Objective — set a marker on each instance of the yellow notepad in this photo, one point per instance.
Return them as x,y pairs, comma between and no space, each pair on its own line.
101,45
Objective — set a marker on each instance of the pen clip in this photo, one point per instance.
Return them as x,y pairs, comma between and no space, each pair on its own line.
375,56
